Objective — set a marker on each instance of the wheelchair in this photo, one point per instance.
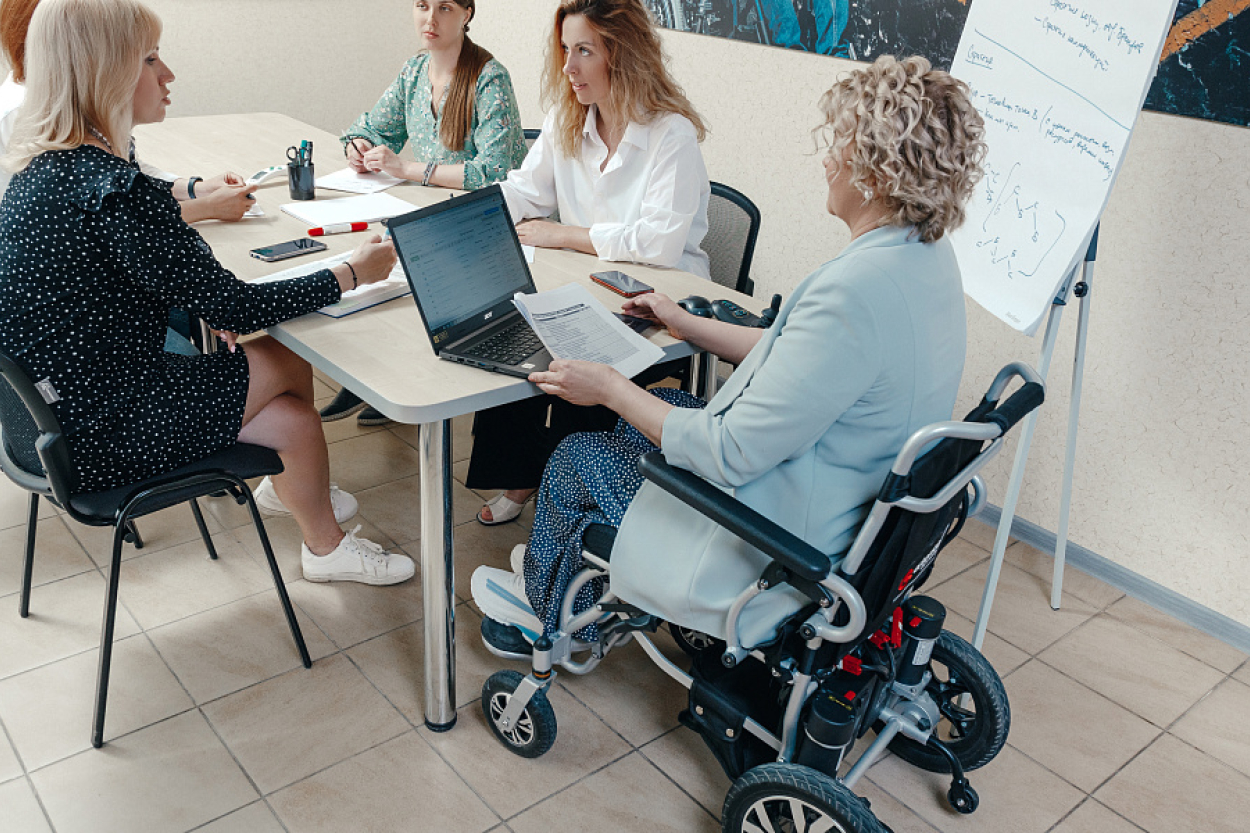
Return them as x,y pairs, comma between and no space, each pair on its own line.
865,653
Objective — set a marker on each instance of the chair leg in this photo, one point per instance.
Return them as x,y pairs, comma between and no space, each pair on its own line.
199,521
131,535
106,636
28,566
278,582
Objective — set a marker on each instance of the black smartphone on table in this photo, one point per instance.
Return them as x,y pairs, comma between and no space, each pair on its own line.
291,248
620,283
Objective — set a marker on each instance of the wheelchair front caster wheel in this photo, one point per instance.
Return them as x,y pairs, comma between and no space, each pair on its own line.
963,798
535,729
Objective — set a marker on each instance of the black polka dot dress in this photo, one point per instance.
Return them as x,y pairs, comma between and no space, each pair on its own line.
93,255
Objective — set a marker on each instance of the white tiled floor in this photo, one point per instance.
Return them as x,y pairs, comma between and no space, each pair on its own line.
1123,719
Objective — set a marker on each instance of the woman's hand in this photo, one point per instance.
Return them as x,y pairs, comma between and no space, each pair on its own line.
579,382
231,339
541,233
227,198
663,310
372,260
356,149
384,159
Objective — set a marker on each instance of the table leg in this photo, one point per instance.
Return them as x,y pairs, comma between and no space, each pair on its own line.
438,575
709,378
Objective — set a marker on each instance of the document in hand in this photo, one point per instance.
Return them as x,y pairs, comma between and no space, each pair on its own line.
573,325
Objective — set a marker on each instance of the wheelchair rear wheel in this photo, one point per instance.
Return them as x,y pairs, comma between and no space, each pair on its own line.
535,729
789,798
693,642
974,731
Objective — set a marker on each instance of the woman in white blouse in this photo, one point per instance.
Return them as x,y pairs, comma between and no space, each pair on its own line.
619,159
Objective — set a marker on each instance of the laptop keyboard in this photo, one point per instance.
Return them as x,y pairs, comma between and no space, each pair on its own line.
511,345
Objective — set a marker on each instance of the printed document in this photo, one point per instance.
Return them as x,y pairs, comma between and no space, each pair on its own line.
364,209
573,325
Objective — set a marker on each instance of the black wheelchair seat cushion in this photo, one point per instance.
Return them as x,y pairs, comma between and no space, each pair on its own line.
598,540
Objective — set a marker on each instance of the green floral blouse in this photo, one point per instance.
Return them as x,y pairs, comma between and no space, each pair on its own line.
494,146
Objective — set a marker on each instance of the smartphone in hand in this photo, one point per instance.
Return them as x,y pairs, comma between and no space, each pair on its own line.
620,283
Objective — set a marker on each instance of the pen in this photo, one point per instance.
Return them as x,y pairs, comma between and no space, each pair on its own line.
337,228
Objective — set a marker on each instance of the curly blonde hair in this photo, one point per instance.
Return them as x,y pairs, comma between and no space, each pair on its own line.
910,135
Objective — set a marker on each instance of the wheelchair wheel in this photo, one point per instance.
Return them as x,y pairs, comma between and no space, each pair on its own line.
974,731
789,798
693,642
535,729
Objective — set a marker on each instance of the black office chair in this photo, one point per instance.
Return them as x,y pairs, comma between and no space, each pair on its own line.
531,135
733,226
35,455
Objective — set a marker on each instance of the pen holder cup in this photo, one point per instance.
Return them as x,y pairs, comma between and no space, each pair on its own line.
301,180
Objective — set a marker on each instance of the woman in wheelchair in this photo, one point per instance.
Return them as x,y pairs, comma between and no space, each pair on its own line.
868,348
784,529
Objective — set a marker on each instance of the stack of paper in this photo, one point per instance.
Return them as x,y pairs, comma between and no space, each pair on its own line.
355,183
354,300
366,209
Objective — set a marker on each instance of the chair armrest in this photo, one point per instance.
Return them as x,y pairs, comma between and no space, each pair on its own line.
792,552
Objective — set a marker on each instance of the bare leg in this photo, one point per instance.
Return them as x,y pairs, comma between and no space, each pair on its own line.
280,415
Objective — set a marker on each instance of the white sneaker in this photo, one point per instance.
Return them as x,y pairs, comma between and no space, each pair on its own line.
500,595
267,499
357,559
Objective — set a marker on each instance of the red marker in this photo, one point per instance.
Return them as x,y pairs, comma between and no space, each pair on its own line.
338,228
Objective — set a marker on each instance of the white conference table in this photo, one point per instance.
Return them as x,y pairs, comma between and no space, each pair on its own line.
383,353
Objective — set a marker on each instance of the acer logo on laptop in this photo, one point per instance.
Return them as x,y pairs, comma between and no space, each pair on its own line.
488,315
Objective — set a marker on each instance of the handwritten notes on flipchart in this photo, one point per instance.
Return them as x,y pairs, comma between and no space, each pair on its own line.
1059,84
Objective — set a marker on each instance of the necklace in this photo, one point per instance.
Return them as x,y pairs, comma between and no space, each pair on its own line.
97,134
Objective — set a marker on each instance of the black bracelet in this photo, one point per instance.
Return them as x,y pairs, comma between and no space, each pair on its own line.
355,283
191,186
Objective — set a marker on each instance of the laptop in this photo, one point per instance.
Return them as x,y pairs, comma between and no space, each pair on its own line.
464,263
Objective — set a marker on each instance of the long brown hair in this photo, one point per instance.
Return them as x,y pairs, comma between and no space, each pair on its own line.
641,87
458,111
14,21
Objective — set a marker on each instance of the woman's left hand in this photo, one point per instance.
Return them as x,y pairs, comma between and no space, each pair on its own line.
579,382
541,233
384,159
231,339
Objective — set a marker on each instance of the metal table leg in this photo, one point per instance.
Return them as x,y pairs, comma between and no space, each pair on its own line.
438,575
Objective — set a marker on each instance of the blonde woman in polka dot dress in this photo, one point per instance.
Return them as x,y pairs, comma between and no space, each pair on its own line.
94,254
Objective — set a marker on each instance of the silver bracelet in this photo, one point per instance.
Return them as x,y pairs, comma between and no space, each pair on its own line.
429,169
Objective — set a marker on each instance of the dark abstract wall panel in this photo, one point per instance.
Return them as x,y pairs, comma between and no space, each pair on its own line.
1205,70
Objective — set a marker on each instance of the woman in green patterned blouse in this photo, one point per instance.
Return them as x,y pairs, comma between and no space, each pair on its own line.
453,102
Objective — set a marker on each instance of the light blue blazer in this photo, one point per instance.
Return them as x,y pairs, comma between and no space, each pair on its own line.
869,348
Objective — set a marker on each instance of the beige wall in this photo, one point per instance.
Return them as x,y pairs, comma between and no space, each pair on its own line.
1159,475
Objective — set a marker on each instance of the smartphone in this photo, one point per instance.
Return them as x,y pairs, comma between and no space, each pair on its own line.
291,248
620,283
638,325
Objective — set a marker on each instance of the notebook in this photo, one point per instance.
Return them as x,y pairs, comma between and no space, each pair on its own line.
464,263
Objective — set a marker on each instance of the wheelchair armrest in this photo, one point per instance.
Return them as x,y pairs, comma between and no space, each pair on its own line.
792,552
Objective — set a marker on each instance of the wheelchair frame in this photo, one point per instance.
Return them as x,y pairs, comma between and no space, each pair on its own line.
908,710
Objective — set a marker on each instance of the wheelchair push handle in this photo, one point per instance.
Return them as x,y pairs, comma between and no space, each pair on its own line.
1019,405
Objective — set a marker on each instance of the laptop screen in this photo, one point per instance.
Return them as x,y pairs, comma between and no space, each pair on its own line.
463,261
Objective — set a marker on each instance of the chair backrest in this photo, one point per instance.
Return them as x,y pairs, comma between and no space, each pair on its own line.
531,136
902,550
33,450
733,224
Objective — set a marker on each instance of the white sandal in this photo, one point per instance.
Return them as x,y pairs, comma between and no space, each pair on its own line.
502,510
